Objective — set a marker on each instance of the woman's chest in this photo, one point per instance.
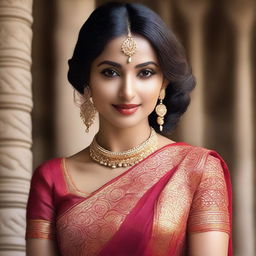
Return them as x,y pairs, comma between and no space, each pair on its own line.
88,179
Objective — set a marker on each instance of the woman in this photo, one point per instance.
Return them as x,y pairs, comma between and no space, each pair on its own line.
133,191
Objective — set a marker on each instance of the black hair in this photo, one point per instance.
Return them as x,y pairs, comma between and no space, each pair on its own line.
111,20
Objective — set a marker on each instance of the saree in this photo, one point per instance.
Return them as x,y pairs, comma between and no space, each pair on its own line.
148,210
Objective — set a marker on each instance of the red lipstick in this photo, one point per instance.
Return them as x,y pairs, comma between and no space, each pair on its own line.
126,109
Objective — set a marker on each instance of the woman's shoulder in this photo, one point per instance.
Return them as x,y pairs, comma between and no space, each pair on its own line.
49,164
205,160
199,150
197,156
189,151
48,168
211,154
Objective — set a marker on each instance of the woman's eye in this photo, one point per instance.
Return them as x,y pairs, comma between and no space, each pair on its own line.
109,73
146,73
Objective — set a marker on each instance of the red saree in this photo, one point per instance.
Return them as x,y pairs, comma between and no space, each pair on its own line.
146,211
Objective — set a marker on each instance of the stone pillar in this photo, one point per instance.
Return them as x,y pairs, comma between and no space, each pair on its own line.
193,123
15,122
242,16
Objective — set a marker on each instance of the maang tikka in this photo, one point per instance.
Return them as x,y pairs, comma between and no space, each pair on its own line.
129,45
87,109
161,110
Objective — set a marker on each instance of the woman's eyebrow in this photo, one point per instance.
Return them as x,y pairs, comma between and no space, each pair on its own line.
115,64
112,63
146,64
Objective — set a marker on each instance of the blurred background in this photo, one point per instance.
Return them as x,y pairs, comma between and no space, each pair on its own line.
219,38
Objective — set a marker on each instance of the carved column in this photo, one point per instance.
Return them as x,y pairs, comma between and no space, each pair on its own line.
242,15
15,122
193,123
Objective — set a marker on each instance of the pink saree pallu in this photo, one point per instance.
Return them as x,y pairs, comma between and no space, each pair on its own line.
146,211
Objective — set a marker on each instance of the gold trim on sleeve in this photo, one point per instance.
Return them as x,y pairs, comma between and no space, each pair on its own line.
40,229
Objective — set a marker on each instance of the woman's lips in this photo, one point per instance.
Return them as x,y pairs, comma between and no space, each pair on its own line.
126,109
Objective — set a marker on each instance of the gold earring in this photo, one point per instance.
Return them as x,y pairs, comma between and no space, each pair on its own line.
161,110
87,109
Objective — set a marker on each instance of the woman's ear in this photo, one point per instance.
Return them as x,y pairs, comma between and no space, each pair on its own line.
165,83
87,91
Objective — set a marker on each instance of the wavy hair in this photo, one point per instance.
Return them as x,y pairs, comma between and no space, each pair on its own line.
109,21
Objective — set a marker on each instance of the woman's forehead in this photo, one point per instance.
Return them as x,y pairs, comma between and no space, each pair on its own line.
113,51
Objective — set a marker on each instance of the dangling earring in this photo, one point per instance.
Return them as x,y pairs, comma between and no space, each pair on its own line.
87,109
161,110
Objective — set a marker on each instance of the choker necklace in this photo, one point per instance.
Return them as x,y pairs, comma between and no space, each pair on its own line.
125,158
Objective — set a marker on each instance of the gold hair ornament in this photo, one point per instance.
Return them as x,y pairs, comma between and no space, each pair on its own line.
129,46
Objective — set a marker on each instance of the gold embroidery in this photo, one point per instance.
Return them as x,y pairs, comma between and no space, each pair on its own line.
209,207
40,229
87,227
173,205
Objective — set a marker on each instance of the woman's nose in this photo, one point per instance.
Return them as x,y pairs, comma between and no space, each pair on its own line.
127,89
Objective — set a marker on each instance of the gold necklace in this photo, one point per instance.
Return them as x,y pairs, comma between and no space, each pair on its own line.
125,158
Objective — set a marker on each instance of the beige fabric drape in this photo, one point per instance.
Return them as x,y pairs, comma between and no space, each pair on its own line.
220,39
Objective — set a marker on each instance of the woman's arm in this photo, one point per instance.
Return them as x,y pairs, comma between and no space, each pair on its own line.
209,222
40,229
208,243
41,247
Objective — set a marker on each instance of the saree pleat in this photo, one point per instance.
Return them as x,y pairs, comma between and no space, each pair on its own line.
135,232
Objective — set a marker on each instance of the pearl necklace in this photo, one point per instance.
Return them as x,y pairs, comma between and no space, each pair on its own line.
125,158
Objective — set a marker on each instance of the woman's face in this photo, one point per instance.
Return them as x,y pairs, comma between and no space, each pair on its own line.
125,93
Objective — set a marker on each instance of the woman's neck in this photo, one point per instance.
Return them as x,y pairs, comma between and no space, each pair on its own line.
122,139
